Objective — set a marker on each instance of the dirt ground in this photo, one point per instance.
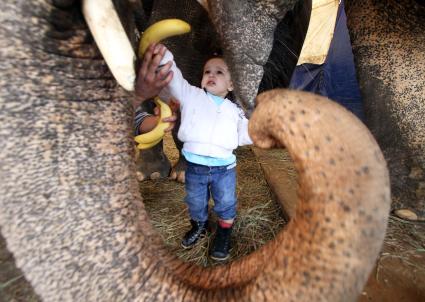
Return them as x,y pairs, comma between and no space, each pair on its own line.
399,274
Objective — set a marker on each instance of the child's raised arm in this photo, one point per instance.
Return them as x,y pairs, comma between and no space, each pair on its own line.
178,87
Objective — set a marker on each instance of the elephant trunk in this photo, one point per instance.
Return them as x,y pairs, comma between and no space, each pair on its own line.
344,200
255,21
344,196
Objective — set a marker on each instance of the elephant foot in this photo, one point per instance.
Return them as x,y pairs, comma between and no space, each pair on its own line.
152,164
155,175
178,171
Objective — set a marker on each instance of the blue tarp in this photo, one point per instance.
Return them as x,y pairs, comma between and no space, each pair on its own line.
336,77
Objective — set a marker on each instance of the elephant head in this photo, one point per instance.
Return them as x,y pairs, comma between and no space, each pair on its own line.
71,211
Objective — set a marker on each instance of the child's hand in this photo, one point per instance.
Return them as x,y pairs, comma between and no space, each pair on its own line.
174,105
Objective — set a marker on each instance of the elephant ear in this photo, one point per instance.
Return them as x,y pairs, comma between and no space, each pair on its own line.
388,40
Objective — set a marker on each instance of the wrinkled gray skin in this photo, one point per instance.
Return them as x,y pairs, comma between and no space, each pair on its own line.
71,211
388,40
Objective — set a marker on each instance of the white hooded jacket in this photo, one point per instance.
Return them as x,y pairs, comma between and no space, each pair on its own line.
206,128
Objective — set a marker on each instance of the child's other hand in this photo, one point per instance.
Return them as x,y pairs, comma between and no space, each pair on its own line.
172,120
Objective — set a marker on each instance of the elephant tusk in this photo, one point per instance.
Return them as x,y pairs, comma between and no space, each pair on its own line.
204,4
111,39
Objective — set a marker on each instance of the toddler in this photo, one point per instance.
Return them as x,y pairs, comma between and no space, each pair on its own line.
212,127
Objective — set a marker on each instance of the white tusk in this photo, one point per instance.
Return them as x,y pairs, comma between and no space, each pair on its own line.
111,40
204,4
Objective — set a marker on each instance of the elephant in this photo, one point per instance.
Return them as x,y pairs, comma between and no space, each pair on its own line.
72,213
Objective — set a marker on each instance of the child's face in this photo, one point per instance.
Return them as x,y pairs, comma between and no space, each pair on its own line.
216,77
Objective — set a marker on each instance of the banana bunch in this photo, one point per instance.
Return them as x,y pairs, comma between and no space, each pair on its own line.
153,137
153,34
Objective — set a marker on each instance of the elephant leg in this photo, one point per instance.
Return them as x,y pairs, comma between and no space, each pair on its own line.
288,40
388,44
153,163
178,170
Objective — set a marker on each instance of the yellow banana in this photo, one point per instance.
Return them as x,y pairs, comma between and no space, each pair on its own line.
153,34
156,134
149,145
161,30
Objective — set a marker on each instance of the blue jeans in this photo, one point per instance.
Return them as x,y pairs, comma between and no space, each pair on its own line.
220,182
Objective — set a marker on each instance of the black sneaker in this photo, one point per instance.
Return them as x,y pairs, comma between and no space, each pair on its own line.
198,230
221,244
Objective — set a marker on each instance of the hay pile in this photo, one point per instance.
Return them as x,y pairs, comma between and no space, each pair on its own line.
259,218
